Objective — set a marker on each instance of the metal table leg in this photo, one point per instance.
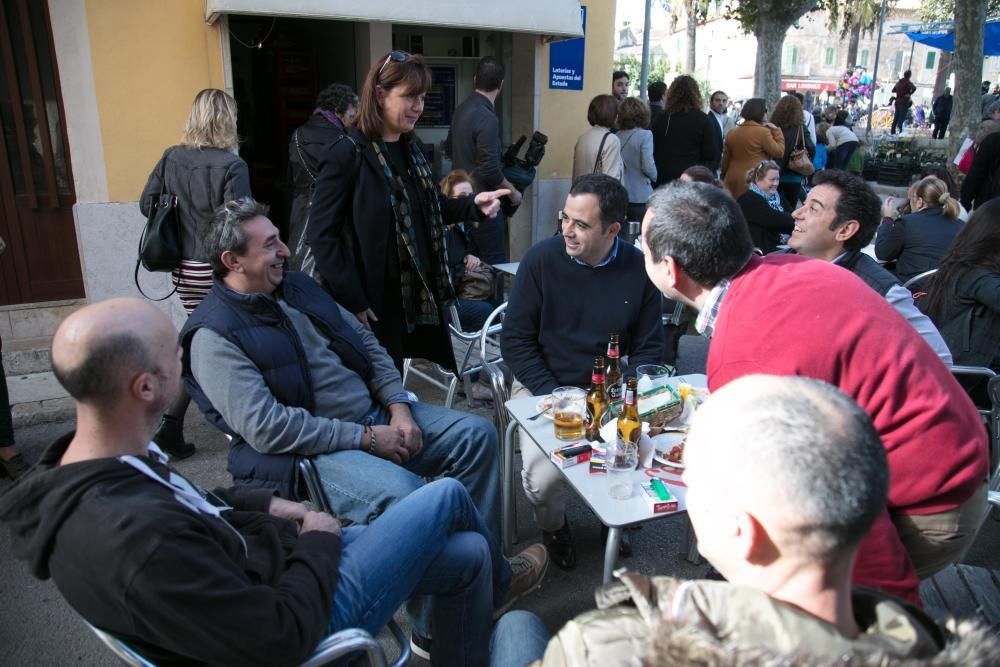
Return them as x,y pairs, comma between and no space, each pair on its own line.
507,483
611,552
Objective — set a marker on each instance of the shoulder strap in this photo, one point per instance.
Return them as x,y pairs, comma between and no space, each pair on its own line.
599,162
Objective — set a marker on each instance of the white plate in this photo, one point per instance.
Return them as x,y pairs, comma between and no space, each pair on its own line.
544,403
663,443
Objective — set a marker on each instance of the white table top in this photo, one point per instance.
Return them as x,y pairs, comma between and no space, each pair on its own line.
509,267
596,489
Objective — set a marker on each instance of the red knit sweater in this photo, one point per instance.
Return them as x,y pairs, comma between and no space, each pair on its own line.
790,315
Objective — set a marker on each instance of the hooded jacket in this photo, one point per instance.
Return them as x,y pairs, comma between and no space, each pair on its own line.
708,623
177,585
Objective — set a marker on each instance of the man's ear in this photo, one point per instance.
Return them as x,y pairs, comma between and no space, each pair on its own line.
232,261
847,230
753,542
613,229
672,273
144,386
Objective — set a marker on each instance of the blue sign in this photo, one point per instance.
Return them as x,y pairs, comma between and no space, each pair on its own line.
566,60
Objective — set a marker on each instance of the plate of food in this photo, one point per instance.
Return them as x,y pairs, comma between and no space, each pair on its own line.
544,406
668,449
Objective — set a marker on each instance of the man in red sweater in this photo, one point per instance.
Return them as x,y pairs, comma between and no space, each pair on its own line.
790,315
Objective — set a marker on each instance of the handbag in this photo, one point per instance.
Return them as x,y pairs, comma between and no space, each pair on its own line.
966,154
160,243
799,160
478,284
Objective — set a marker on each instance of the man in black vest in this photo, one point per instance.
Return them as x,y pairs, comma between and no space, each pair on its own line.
836,222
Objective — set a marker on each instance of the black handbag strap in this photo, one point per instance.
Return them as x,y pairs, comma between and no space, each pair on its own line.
162,167
599,162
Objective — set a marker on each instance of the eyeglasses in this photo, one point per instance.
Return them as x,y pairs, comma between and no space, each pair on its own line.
397,56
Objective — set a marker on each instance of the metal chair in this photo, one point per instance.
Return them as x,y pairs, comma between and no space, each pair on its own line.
469,347
918,281
333,647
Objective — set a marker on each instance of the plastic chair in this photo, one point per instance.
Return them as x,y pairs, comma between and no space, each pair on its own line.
469,347
333,647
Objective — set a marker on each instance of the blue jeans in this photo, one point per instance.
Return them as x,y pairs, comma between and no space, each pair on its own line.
360,486
519,638
433,542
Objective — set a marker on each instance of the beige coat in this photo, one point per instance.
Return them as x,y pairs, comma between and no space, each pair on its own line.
747,146
585,153
709,623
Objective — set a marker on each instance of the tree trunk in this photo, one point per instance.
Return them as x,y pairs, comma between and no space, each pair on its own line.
692,30
770,40
852,46
943,70
970,17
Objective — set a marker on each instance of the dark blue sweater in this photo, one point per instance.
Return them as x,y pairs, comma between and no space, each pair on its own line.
560,314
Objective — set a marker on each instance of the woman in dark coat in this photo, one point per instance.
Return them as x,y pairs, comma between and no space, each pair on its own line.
204,172
376,227
788,116
762,208
682,136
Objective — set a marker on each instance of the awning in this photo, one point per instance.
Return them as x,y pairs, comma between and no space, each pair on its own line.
555,18
941,35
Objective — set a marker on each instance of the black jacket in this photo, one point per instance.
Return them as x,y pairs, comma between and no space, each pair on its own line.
179,586
353,237
473,142
766,224
942,107
983,181
203,180
684,139
970,323
304,151
917,241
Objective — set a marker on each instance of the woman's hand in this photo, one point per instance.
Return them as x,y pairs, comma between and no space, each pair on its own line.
366,317
889,208
472,262
489,202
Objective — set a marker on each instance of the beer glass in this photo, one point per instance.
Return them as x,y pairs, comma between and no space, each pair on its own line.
652,377
569,405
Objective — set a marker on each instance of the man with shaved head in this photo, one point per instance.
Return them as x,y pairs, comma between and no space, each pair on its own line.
791,315
234,576
786,476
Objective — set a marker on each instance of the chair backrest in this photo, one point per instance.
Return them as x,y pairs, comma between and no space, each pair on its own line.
993,388
499,382
918,282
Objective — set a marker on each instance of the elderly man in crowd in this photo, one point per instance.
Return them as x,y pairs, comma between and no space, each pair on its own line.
837,220
235,577
785,477
791,315
571,291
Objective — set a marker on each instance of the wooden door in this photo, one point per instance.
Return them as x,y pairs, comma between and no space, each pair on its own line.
42,262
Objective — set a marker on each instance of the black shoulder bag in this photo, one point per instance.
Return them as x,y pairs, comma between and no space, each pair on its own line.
160,243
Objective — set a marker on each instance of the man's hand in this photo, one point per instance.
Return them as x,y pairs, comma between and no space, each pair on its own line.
489,202
321,522
472,262
366,317
287,509
401,418
388,444
889,208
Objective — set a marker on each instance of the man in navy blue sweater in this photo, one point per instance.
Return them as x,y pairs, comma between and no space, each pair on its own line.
571,291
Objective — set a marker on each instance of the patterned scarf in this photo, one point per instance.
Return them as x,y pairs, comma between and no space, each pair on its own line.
774,201
425,289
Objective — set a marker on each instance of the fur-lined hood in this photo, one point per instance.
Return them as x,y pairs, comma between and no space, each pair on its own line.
663,621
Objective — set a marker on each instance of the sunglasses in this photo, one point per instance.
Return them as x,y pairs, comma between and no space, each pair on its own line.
397,56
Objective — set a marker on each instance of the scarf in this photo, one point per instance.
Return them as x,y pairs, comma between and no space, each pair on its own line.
774,201
423,287
320,111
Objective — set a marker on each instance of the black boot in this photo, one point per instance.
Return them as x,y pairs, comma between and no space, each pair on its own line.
560,546
169,437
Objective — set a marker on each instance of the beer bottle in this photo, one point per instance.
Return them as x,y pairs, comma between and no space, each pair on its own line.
597,400
613,376
629,430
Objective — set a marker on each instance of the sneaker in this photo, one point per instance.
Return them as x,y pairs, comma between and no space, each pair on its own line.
169,437
420,646
560,547
13,467
527,571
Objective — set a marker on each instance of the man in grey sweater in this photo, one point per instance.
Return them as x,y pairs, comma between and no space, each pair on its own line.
276,363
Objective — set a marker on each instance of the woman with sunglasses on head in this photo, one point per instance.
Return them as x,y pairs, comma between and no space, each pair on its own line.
762,207
749,143
377,221
203,172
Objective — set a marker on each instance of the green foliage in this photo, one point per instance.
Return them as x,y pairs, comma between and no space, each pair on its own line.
844,15
944,10
787,12
659,70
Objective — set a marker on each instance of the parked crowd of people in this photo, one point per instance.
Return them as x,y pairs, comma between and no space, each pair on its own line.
836,464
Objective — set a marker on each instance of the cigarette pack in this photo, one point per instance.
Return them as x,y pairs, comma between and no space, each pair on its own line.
598,464
570,455
659,501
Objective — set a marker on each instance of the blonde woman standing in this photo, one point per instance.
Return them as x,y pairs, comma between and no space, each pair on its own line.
204,171
918,240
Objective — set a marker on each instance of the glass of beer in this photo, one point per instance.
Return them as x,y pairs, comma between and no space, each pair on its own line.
569,405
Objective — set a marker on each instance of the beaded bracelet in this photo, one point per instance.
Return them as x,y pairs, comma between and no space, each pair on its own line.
371,440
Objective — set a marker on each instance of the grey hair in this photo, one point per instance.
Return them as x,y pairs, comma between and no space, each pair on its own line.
226,233
995,106
817,450
100,376
701,227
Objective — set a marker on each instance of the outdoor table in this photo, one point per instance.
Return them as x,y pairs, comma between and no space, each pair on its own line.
593,488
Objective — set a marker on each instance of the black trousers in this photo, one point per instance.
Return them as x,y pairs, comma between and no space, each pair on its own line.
6,420
898,118
940,127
